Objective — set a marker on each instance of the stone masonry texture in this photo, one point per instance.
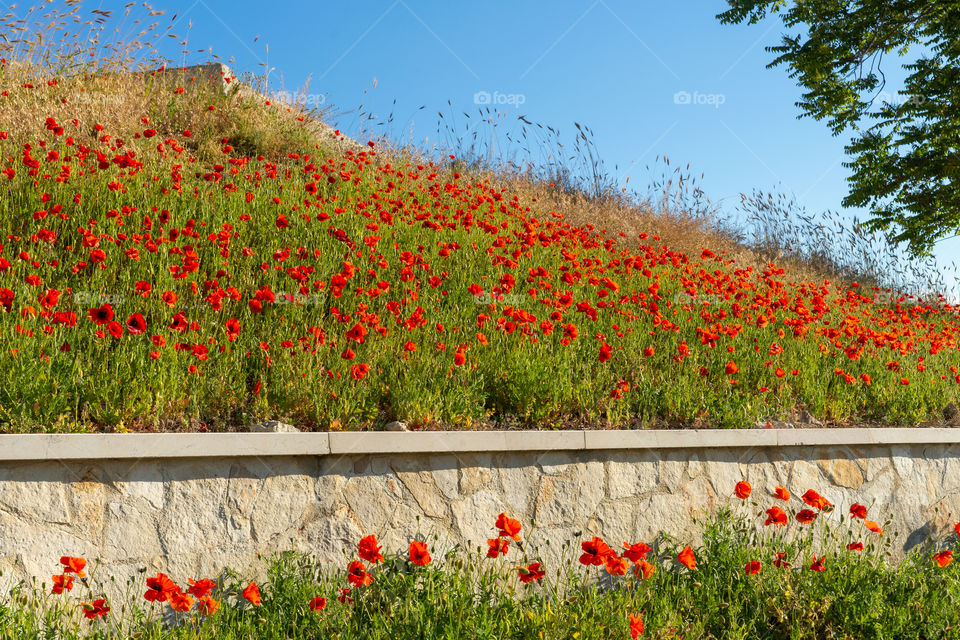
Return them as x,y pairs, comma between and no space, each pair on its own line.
192,517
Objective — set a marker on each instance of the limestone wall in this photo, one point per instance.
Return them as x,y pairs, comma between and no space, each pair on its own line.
191,517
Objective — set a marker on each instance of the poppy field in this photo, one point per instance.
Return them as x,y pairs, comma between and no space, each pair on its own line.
141,288
174,258
771,566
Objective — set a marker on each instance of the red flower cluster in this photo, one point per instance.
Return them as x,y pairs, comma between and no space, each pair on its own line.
596,552
160,588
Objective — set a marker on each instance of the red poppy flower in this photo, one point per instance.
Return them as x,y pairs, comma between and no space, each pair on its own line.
858,511
232,328
6,299
643,569
776,516
358,371
95,609
818,564
357,574
636,626
343,596
61,582
497,547
50,299
73,565
635,552
687,558
855,546
419,554
115,329
530,573
604,353
357,333
101,315
873,526
252,594
780,561
207,605
781,493
752,567
814,499
159,588
594,551
180,602
731,368
369,550
318,604
806,516
742,490
615,565
201,588
944,557
509,528
136,324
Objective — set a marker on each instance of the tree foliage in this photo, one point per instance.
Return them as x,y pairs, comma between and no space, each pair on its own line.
905,152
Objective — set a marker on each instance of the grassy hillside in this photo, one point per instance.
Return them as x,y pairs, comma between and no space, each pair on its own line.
177,258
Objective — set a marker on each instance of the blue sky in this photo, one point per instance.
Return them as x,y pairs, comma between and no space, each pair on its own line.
649,78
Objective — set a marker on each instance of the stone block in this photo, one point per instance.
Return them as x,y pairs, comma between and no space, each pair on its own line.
372,500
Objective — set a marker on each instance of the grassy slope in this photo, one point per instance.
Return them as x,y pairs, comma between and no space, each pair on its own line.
384,272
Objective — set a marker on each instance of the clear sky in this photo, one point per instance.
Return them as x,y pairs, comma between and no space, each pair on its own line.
649,78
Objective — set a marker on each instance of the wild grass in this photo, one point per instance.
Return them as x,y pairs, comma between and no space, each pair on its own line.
188,258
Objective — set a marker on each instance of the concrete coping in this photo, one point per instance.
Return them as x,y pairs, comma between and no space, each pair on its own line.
198,445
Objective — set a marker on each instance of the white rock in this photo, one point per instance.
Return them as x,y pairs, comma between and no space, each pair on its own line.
273,426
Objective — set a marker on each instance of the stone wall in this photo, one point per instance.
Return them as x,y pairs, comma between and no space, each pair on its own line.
191,517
